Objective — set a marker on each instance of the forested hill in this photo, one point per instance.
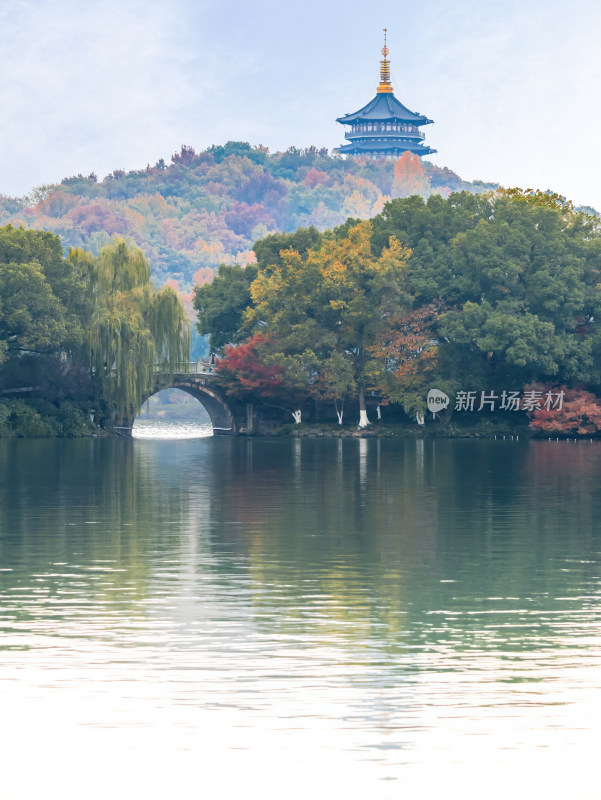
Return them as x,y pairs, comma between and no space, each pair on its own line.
207,208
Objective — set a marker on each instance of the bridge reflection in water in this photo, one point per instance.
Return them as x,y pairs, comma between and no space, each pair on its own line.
156,428
172,414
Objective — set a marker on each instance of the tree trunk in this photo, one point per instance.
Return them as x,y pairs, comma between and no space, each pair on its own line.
250,426
363,420
340,412
297,416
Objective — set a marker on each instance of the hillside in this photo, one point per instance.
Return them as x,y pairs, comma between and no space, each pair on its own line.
207,208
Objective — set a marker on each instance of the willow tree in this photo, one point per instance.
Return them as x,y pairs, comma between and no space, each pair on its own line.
133,330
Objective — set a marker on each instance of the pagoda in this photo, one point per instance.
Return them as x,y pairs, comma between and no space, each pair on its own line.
384,128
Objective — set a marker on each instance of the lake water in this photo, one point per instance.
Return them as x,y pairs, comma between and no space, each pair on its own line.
172,429
290,618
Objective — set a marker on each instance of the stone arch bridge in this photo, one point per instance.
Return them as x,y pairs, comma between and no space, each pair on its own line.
200,383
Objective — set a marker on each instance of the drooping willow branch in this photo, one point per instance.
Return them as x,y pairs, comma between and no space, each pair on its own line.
133,328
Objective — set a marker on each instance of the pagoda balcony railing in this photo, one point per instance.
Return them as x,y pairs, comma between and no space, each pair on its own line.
400,134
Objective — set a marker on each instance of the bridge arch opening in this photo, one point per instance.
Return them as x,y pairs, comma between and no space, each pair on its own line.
172,413
187,409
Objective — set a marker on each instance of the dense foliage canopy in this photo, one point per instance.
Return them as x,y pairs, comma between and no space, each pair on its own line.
40,295
490,291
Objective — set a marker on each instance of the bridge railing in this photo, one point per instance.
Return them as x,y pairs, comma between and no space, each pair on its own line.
198,367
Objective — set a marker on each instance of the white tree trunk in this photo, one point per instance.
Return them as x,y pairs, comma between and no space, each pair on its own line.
379,413
297,416
363,420
420,418
339,414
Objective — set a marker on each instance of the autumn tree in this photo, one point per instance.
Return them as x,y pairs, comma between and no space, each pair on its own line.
248,371
409,176
221,304
331,303
269,249
223,198
580,412
406,357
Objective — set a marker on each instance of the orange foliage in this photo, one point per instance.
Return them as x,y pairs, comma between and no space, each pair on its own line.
580,412
379,204
97,217
315,177
410,347
212,253
56,204
357,205
203,275
157,204
135,219
409,176
246,257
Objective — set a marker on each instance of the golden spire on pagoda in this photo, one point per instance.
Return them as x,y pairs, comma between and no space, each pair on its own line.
384,70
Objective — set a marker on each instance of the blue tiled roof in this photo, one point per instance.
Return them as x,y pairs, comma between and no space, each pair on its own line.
384,107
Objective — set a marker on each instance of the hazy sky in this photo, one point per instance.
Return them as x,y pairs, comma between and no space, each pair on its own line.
513,86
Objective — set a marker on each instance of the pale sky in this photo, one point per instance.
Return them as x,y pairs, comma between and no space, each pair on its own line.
513,86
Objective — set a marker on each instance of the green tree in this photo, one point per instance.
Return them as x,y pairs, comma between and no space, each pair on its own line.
40,295
328,376
526,288
519,272
221,305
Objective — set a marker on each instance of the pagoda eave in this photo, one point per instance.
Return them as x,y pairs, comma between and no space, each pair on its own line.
352,119
384,108
387,151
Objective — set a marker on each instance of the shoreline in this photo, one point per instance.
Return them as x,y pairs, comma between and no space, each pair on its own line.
377,430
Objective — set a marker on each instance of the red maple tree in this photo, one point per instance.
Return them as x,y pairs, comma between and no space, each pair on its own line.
409,345
243,372
580,413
